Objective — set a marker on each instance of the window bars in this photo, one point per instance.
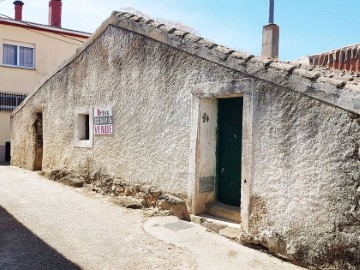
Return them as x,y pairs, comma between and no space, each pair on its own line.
9,101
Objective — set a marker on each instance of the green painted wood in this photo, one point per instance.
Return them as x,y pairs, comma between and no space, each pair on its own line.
7,151
229,150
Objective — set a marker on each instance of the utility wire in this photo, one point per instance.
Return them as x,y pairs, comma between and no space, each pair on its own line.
28,24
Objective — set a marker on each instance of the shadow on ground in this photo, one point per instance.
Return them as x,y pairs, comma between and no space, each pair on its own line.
21,249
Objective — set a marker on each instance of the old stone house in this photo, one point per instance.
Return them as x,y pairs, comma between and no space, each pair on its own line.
151,104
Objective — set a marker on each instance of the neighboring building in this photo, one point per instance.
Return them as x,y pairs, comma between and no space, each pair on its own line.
347,58
29,51
174,110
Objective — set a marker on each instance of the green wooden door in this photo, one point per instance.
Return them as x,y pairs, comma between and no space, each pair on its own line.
229,150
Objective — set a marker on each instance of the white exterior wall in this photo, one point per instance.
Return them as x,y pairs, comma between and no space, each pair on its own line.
300,155
147,85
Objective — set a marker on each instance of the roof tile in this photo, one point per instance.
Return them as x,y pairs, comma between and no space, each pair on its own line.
207,43
284,66
167,28
193,38
241,55
312,75
180,33
223,50
336,82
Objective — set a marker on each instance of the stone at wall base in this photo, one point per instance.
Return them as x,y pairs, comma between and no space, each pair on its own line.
77,183
134,196
176,205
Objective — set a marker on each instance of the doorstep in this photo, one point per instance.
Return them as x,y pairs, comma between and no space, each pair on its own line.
226,212
226,228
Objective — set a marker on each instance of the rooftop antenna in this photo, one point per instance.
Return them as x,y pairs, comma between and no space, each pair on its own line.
270,41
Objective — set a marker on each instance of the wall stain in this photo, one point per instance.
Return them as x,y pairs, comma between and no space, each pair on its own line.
342,256
258,211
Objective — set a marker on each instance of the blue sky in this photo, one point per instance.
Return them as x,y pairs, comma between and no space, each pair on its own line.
306,26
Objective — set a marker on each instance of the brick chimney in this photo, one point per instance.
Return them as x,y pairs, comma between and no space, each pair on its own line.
18,10
55,13
270,36
270,43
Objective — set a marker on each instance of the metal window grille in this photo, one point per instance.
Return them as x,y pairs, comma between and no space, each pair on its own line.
9,101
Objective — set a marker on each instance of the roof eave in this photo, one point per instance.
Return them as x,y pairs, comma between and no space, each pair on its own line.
44,28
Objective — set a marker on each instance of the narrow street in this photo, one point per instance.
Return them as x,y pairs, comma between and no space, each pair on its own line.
45,225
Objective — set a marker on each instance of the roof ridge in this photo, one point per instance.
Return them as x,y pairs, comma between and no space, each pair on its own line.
222,52
301,78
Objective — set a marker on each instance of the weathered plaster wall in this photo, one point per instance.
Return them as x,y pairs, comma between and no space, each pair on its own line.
306,175
303,155
147,84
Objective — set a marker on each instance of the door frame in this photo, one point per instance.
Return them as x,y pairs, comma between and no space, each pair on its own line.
203,139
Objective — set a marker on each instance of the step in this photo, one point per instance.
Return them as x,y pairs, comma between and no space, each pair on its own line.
221,226
227,212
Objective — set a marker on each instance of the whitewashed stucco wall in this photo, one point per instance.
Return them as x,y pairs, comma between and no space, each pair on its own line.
306,175
148,86
304,152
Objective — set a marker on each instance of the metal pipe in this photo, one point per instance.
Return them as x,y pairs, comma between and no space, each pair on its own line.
271,11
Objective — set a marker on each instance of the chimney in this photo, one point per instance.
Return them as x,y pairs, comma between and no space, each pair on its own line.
55,13
270,36
18,10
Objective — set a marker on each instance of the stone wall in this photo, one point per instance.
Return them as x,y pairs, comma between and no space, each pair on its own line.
136,196
147,84
304,194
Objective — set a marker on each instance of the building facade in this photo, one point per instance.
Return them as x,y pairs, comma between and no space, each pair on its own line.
29,51
279,141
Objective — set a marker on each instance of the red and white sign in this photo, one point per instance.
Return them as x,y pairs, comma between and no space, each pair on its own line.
103,121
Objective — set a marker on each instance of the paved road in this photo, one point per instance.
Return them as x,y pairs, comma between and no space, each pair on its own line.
45,225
